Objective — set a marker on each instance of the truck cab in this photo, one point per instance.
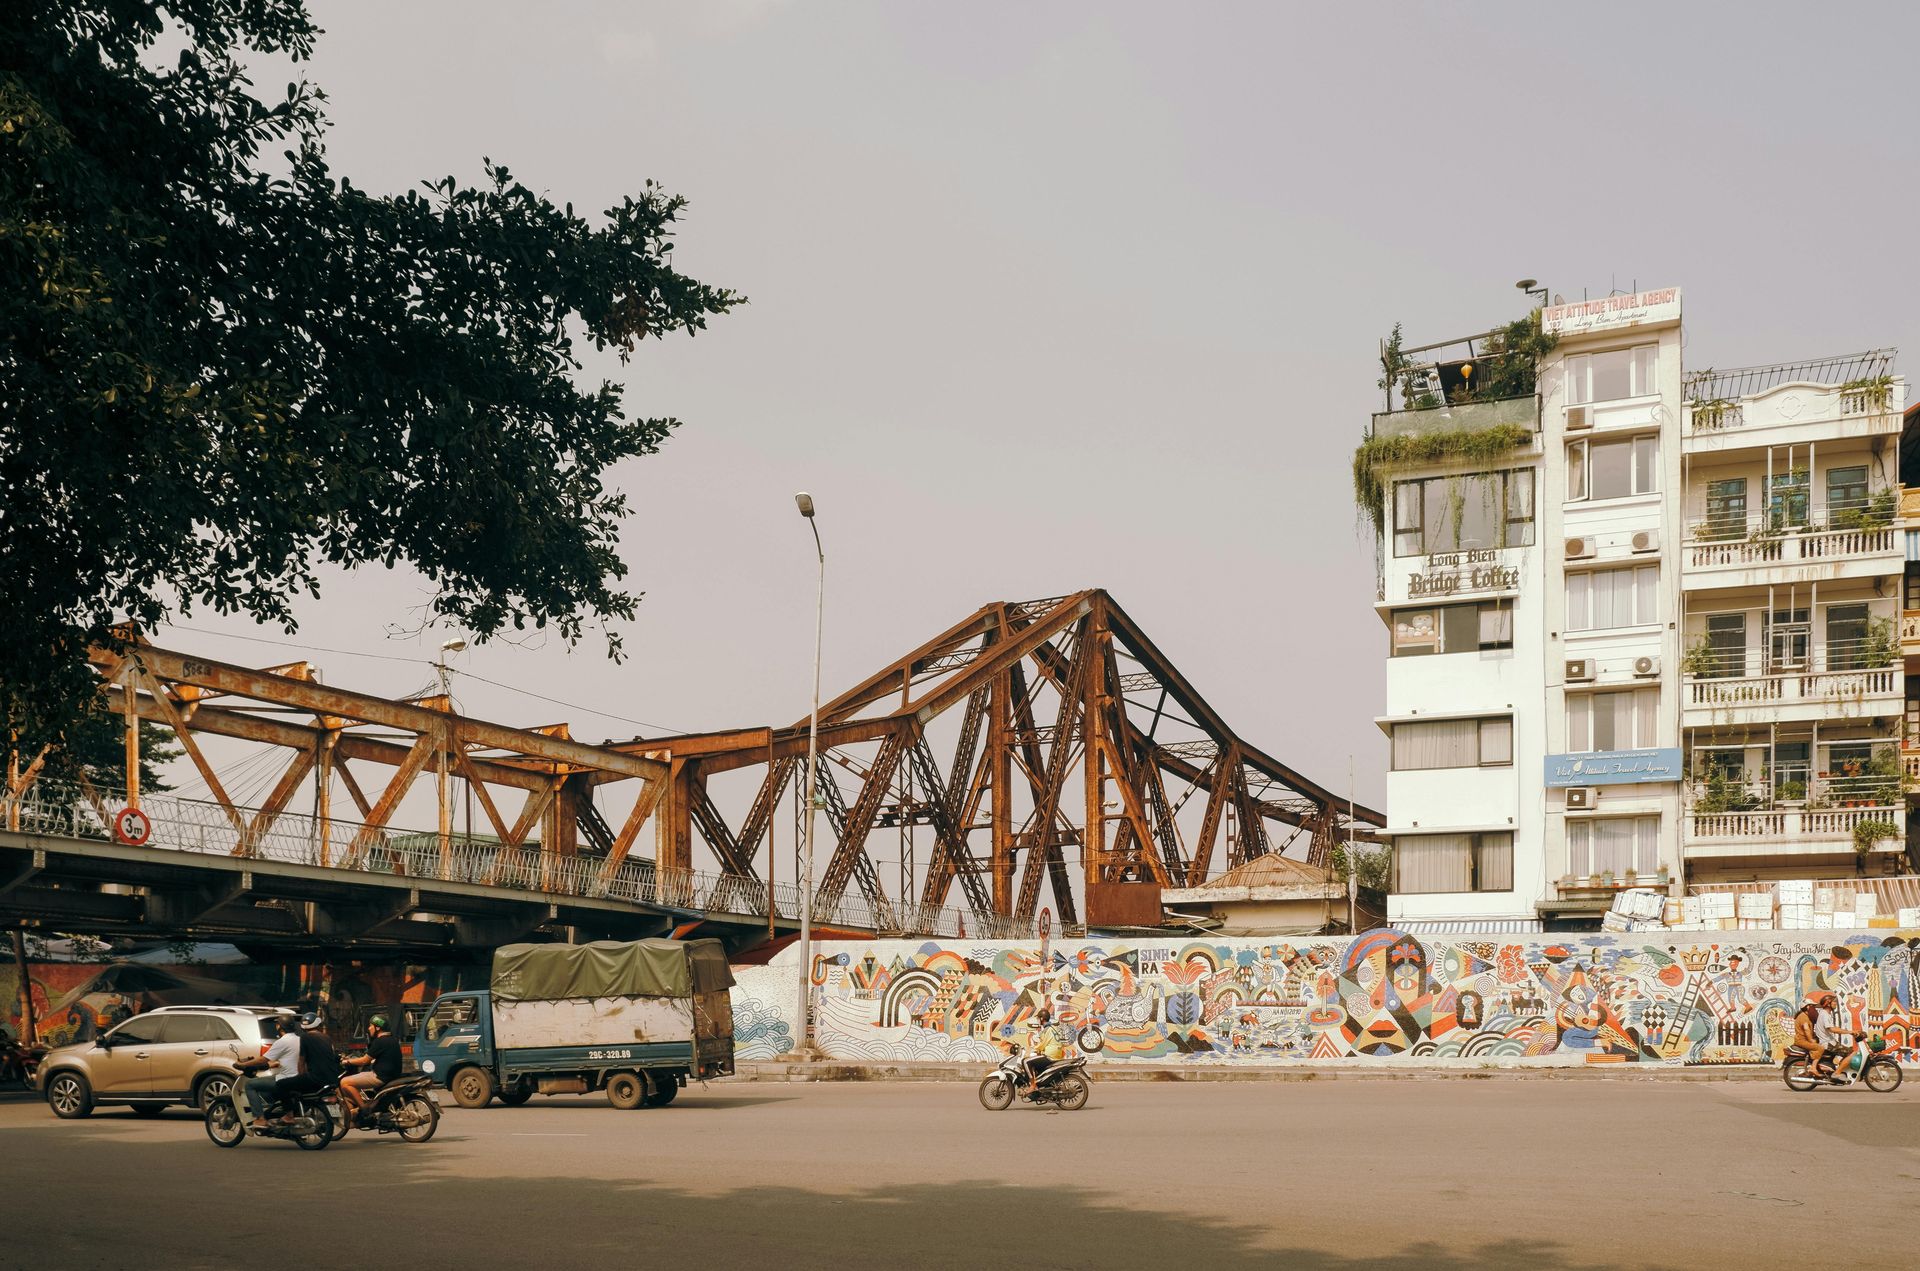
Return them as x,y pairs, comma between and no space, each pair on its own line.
456,1033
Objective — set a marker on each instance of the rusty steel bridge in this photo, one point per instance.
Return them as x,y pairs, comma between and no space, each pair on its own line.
1028,748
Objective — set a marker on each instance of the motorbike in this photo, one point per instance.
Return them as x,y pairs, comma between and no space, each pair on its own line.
18,1062
315,1116
1866,1061
403,1106
1062,1083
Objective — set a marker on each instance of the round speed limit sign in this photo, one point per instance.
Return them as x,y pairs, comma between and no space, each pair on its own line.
1046,939
131,826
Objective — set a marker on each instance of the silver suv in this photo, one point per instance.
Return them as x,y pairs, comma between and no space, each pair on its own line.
177,1054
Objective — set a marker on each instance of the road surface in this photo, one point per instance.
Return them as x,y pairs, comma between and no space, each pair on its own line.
1493,1173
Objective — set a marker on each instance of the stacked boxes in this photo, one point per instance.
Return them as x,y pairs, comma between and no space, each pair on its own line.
1796,904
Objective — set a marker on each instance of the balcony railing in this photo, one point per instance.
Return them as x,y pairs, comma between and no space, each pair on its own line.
1463,417
1789,824
1721,543
1836,671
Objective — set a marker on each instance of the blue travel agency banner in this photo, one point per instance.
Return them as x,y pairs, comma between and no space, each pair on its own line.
1614,767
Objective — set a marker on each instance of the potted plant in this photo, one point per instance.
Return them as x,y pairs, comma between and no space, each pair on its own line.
1871,830
1791,792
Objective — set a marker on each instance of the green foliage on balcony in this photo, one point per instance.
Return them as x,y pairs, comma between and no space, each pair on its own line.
1870,831
1378,455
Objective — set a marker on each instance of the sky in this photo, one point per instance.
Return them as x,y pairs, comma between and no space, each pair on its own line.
1054,296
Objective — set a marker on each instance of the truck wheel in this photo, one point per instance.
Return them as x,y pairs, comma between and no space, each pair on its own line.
665,1090
626,1090
472,1087
516,1093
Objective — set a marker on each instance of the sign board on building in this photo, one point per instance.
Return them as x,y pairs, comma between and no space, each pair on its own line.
1612,313
1614,767
1462,574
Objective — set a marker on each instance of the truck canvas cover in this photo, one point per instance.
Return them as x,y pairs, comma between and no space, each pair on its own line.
609,968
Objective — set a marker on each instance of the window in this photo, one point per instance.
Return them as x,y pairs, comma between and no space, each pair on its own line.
1792,765
1912,588
1428,863
1613,845
141,1028
1607,598
1625,720
1726,509
1726,645
1612,469
1484,626
1453,743
447,1014
1610,376
1787,499
1472,510
1847,638
1846,489
1789,634
197,1028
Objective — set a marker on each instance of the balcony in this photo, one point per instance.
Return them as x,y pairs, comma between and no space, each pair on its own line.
1830,681
1910,632
1465,417
1792,403
1752,553
1789,831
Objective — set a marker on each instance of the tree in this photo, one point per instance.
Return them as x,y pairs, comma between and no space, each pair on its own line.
222,370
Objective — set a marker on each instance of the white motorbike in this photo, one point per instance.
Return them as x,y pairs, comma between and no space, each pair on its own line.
1061,1083
317,1118
1866,1062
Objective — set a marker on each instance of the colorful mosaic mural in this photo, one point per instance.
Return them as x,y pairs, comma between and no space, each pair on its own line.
1725,997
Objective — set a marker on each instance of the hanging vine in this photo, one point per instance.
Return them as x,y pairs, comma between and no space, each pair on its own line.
1378,455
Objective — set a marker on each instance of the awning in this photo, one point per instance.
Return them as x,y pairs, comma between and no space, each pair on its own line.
1469,926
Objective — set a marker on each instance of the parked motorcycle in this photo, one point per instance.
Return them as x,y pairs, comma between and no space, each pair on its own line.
1866,1061
18,1062
403,1106
315,1115
1062,1083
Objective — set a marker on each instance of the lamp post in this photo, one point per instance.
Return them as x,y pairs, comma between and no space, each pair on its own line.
455,645
804,1047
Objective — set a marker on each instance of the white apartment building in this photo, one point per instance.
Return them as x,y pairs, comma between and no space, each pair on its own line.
1642,625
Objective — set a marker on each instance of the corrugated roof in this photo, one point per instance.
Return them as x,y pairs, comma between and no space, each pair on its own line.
1271,870
1469,926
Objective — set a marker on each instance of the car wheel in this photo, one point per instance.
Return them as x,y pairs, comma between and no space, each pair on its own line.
212,1090
473,1087
148,1109
625,1090
69,1095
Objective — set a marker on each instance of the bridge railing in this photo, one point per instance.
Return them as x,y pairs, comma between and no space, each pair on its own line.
201,826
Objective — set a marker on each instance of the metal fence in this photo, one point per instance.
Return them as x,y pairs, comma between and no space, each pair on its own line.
194,825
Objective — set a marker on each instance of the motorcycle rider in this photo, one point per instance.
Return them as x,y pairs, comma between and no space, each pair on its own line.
1813,1030
378,1066
1045,1045
282,1062
319,1063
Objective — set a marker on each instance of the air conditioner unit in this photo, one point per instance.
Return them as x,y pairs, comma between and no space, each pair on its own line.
1579,670
1579,418
1646,668
1579,548
1646,540
1582,797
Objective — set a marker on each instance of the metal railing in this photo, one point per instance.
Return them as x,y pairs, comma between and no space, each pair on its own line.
1750,381
200,826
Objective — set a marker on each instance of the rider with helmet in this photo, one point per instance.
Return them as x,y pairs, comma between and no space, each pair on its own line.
377,1067
1046,1044
319,1063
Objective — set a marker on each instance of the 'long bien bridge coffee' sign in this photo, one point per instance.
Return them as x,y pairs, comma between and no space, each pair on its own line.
1614,767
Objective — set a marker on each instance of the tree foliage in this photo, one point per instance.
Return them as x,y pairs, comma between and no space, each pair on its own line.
225,366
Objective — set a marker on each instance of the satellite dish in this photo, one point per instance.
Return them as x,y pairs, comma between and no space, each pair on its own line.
1559,299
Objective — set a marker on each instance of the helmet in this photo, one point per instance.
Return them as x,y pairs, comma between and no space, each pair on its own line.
1877,1044
379,1022
310,1020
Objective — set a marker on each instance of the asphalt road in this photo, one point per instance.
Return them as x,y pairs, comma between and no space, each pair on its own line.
1494,1173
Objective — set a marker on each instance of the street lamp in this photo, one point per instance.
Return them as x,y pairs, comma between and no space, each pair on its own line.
804,1048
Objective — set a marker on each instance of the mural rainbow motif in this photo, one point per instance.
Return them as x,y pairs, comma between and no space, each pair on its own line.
1690,998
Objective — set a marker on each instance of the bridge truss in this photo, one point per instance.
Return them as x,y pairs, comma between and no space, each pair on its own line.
1033,748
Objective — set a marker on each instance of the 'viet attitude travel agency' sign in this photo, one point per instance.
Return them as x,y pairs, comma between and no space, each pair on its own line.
1613,767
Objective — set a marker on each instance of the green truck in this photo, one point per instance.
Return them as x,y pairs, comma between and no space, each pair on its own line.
636,1019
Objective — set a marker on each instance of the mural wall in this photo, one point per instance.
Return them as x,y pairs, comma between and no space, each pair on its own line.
1681,998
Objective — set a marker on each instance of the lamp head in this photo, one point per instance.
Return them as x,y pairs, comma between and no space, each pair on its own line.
1527,284
804,502
455,645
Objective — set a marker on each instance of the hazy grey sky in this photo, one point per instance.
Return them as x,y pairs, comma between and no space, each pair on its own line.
1054,296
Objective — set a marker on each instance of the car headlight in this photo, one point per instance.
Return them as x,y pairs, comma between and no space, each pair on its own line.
426,1065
